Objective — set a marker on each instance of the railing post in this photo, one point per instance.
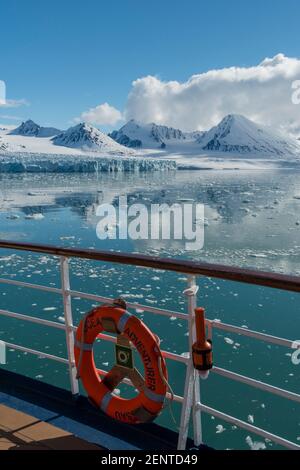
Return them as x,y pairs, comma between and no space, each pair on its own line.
65,284
192,304
192,383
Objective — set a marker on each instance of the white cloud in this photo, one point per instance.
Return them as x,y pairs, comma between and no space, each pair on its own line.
10,117
104,114
262,93
14,103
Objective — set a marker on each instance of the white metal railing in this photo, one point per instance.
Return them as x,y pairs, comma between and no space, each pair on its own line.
191,400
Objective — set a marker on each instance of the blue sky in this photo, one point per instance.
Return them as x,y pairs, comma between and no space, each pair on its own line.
65,57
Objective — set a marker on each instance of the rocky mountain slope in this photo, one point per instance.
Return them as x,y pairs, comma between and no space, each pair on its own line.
30,129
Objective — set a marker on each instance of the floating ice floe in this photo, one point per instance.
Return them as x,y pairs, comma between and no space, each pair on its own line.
250,419
7,258
255,445
132,296
220,429
201,221
228,341
34,216
258,255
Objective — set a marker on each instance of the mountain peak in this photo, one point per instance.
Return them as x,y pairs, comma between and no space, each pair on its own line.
135,134
82,125
87,137
29,128
238,134
234,118
30,122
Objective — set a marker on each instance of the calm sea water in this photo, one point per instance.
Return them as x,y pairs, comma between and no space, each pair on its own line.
253,220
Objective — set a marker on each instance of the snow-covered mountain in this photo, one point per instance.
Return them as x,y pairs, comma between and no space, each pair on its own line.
235,134
30,129
136,135
86,137
238,135
236,142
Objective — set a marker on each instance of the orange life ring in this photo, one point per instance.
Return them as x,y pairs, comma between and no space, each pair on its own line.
152,390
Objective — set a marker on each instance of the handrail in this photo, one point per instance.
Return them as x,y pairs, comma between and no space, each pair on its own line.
191,398
230,273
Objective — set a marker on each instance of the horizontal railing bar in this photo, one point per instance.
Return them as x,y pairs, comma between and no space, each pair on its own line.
251,334
158,311
36,353
230,273
176,398
249,427
174,357
168,355
13,282
168,313
257,384
41,321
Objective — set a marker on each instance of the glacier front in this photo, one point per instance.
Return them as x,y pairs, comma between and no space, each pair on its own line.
44,163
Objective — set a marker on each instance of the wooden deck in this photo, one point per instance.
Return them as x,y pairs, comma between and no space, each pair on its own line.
20,431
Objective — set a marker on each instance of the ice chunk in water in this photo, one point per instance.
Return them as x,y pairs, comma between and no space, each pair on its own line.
228,340
220,429
255,445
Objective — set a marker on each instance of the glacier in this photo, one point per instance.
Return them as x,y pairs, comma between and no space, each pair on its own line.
58,163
